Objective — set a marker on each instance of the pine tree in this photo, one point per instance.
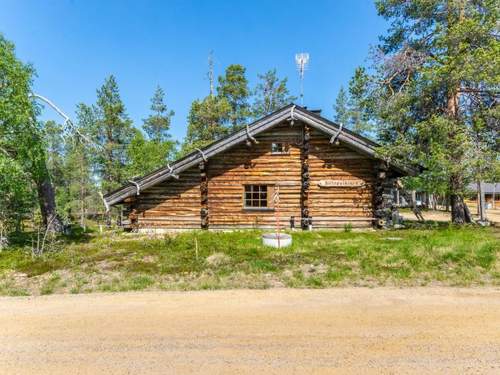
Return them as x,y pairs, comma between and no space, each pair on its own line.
145,155
113,133
340,108
157,125
78,168
271,93
233,87
436,74
206,121
359,110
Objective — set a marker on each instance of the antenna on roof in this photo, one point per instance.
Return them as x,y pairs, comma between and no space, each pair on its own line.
301,60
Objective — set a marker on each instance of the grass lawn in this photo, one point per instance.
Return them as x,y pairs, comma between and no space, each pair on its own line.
114,261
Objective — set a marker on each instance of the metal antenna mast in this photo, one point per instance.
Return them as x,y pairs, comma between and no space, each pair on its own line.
301,60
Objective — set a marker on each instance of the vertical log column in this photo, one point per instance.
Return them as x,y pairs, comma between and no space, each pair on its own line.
379,207
133,213
204,195
378,192
305,178
383,200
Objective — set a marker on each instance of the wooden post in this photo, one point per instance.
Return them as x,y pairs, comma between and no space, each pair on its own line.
494,193
482,201
478,198
204,195
305,178
276,199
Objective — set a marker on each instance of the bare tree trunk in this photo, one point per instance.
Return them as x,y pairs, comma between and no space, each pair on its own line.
478,198
494,194
482,202
82,205
459,211
82,216
46,198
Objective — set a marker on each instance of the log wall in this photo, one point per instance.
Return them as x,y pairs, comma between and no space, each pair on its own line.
180,204
172,204
228,172
337,206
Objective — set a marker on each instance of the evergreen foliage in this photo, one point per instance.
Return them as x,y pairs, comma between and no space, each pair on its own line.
157,125
270,94
206,121
114,132
433,91
145,155
353,109
233,88
340,108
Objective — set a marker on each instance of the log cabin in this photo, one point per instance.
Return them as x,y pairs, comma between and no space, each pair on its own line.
293,165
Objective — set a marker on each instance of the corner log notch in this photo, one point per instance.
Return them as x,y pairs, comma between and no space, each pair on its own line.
204,194
305,178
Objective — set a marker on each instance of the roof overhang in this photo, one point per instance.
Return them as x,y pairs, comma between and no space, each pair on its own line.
290,112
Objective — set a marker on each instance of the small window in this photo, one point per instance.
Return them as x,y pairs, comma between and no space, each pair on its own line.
279,148
256,196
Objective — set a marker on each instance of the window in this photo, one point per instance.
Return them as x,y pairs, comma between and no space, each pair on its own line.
255,196
279,148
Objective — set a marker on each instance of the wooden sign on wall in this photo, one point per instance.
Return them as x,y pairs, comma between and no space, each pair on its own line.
341,183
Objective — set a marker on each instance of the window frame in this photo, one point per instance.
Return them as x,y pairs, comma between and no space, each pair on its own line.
285,150
266,189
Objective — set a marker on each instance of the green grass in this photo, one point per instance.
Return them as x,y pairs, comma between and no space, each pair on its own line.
112,261
50,285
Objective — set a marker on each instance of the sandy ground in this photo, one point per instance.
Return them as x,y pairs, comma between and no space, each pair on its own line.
493,215
279,331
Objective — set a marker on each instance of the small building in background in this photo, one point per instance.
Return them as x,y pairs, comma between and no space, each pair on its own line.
491,193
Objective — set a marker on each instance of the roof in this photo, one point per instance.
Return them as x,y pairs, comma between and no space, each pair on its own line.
289,112
488,187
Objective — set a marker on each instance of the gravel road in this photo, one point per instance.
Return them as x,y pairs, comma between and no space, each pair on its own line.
278,331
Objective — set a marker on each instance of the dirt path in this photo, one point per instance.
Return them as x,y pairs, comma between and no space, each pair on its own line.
285,331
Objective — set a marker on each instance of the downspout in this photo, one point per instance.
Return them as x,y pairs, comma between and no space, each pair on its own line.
335,136
202,154
171,171
136,185
250,136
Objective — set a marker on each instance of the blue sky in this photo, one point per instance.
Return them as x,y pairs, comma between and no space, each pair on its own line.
75,44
